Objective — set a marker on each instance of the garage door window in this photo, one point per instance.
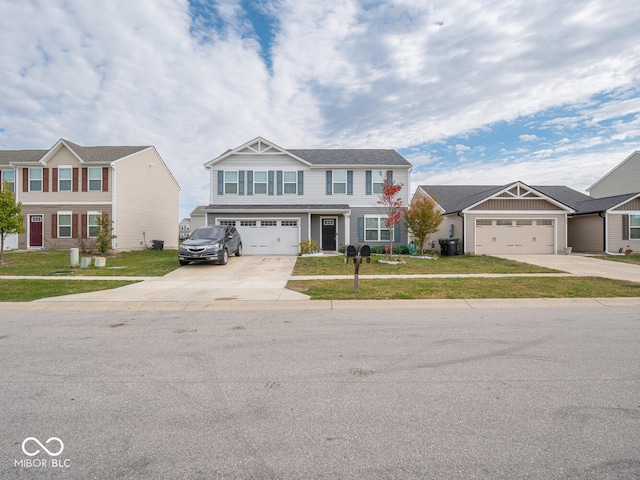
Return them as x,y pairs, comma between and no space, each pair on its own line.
289,223
504,223
484,223
268,223
248,223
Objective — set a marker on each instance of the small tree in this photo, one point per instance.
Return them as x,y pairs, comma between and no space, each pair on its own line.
422,219
11,218
392,207
104,233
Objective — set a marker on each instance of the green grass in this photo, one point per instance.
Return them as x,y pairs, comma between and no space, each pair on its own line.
466,288
28,290
633,259
334,265
136,263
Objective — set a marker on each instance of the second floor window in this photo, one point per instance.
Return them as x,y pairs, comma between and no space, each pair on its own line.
9,180
64,179
377,181
230,182
260,182
339,181
290,181
35,179
95,179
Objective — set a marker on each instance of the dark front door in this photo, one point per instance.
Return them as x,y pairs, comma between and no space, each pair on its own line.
35,231
329,234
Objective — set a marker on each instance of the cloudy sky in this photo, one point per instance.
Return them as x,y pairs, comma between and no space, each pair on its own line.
471,92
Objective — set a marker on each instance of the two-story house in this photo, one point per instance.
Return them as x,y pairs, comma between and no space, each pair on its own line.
278,198
65,189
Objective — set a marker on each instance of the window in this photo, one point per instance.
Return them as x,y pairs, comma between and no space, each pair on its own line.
504,223
230,182
260,182
64,179
35,179
227,223
64,224
268,223
93,220
377,181
248,223
289,223
634,227
339,181
484,223
95,179
9,179
290,182
375,229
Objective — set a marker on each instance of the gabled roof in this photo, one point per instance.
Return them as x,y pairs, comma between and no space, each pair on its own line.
597,205
103,154
456,198
319,157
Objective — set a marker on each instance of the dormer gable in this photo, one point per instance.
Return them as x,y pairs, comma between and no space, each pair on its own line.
517,197
256,147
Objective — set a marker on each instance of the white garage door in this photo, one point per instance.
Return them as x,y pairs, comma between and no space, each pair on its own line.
268,236
515,236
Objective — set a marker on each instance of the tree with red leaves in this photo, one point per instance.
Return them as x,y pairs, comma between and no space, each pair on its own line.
392,206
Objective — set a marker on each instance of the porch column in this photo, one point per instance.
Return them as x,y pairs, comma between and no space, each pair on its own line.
347,228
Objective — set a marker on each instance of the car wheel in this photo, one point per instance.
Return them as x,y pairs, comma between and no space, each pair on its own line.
182,262
239,250
225,257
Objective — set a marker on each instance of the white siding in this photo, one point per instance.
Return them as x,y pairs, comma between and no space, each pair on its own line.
146,202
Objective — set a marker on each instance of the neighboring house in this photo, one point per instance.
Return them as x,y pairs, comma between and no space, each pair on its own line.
184,228
518,218
64,190
198,217
514,218
278,198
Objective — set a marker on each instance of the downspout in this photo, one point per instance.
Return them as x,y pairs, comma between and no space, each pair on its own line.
464,226
605,237
114,244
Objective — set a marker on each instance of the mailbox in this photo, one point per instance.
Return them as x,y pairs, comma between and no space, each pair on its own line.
365,252
350,252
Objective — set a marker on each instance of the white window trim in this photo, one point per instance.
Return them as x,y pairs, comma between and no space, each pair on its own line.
231,183
377,175
10,182
97,214
41,180
70,225
265,183
89,179
334,182
381,227
294,182
70,180
633,228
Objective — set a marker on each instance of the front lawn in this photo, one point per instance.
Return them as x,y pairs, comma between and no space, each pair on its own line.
461,288
146,263
28,290
634,258
334,265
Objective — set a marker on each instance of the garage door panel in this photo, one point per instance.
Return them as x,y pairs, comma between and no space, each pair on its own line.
269,236
496,236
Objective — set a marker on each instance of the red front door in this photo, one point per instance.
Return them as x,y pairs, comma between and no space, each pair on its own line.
35,230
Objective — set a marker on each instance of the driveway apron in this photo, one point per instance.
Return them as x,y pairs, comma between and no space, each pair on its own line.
582,266
243,278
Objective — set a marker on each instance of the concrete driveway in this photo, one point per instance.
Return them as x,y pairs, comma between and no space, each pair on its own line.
255,277
582,266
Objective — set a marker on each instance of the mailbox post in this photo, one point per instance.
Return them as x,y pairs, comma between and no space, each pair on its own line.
357,256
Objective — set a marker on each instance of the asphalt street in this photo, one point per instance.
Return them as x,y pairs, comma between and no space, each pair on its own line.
321,394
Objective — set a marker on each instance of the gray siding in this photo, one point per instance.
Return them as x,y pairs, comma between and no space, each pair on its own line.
625,178
586,233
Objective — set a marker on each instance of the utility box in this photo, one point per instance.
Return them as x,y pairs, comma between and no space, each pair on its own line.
158,244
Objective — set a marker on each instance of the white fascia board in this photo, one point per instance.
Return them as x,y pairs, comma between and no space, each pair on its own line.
276,151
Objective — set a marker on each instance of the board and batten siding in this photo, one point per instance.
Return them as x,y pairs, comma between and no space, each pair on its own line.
146,202
625,178
586,233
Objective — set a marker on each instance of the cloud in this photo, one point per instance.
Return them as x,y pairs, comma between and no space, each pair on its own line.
197,78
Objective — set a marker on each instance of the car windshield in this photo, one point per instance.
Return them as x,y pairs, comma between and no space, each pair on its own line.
207,233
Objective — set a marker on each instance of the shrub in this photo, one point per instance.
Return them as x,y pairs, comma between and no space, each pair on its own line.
308,247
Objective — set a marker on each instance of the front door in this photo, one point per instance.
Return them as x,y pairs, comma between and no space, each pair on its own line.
329,234
35,230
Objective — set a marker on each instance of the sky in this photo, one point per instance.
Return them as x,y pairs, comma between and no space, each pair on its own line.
483,92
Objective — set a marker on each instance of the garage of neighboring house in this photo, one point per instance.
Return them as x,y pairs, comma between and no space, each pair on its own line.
514,235
280,236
